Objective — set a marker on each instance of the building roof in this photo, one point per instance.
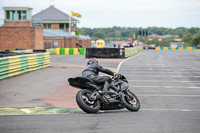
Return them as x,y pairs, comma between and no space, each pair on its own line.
82,37
17,8
49,33
155,36
52,14
120,42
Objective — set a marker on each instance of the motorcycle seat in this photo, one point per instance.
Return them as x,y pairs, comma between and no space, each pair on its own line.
84,83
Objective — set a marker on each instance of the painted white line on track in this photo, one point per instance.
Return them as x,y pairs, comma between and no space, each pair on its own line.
183,110
161,95
118,67
156,69
164,87
163,81
148,70
194,87
168,76
157,72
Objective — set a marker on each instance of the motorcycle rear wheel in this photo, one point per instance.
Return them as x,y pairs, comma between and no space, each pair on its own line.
132,104
88,106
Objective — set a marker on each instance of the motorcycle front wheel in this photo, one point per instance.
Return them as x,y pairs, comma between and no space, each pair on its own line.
131,101
84,102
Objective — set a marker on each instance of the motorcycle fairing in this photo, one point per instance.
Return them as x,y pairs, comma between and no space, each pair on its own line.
123,85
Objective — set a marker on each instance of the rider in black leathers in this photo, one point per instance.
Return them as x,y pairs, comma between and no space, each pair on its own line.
92,71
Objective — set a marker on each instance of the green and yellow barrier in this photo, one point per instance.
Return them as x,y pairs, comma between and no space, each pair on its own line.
62,51
81,50
173,48
25,51
157,48
67,51
75,50
165,48
71,51
51,51
15,65
57,51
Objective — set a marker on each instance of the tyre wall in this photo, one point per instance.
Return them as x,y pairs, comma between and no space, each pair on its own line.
15,65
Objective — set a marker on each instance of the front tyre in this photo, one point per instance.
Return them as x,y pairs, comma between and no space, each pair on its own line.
131,101
84,102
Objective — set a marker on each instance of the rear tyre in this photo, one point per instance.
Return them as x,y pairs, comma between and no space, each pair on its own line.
88,106
131,101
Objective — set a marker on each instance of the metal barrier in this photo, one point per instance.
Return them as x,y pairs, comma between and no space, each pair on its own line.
112,52
105,52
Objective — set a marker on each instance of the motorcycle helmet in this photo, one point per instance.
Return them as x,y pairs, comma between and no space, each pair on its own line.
92,60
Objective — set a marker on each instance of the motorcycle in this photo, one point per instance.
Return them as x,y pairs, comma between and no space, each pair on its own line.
91,98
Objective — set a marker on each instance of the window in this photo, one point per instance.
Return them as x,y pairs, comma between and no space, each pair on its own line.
47,26
64,26
8,15
24,15
16,15
19,15
67,25
51,44
12,13
61,26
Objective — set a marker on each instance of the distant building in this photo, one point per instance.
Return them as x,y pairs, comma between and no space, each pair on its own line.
56,29
52,18
59,39
85,41
22,30
165,36
18,30
171,36
155,36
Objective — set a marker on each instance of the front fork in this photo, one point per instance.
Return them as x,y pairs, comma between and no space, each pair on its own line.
128,95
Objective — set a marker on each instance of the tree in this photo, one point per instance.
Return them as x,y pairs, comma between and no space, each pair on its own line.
196,40
178,32
168,31
166,42
99,35
187,38
87,31
193,30
117,34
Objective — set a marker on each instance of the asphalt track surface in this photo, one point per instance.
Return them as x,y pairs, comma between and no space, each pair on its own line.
46,88
167,84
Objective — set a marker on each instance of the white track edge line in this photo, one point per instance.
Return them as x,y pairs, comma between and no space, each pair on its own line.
118,67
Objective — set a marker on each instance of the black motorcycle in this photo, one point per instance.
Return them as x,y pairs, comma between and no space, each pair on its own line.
91,98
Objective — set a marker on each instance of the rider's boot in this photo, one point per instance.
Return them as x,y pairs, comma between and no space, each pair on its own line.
105,87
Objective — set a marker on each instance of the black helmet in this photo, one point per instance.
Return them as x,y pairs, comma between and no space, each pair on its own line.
92,60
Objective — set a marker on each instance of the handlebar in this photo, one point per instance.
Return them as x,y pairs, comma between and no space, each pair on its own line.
117,76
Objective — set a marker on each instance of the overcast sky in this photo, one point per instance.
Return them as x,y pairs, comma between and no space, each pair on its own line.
123,13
